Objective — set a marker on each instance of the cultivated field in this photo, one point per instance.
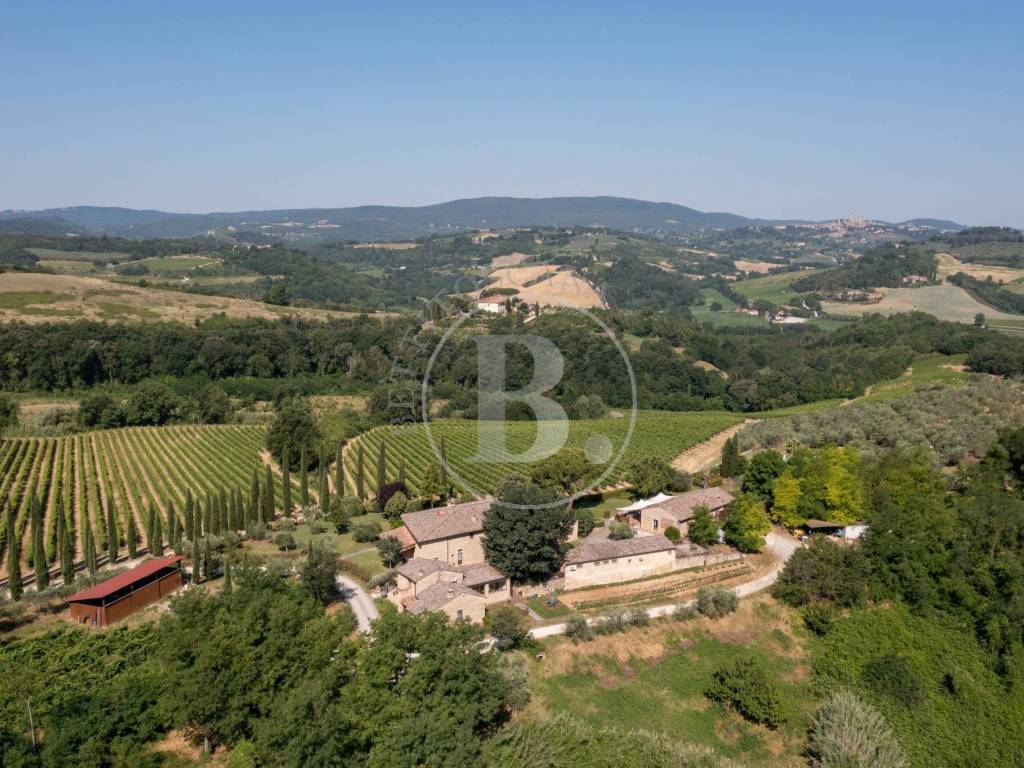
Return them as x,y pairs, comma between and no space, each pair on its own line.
509,260
762,267
945,301
562,289
773,288
660,434
950,265
39,298
125,469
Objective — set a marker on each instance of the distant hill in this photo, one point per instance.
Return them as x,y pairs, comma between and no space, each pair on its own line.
379,222
386,222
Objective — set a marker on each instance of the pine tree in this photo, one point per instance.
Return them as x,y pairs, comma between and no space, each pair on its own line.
111,534
382,467
131,537
268,496
13,557
67,554
39,563
339,472
446,491
303,479
227,576
360,481
286,486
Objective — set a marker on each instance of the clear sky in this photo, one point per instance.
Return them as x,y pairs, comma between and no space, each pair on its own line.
774,109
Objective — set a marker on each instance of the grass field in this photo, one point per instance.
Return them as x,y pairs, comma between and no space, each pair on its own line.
175,265
125,468
944,370
654,679
950,265
563,289
35,297
773,288
660,434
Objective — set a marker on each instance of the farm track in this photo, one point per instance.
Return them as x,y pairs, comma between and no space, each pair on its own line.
703,455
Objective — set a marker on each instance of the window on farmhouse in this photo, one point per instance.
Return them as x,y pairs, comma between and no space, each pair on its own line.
458,556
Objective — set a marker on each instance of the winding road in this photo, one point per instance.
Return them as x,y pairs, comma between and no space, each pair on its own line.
360,601
781,545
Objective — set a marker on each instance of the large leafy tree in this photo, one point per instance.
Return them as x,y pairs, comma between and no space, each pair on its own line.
747,523
568,471
522,538
294,433
761,471
648,476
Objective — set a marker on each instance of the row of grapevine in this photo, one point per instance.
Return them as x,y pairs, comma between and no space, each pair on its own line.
126,470
474,450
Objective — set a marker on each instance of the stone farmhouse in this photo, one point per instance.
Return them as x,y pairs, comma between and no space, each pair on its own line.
450,534
461,591
662,511
601,560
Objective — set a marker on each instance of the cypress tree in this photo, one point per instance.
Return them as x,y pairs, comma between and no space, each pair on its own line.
382,467
360,482
189,511
325,493
401,471
207,559
13,557
286,486
67,555
268,496
156,547
150,526
58,506
89,545
303,479
227,576
444,470
173,526
339,472
131,537
39,563
225,516
111,534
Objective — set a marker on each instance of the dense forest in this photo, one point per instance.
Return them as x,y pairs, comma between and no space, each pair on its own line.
884,266
765,368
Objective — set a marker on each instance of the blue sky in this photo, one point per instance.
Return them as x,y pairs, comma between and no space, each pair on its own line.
766,109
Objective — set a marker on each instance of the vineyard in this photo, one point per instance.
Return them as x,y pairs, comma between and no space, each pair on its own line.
125,470
468,444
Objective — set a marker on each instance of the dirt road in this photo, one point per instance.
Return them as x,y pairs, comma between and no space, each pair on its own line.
705,455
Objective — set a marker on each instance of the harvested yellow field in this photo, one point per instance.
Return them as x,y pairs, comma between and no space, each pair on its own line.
387,246
39,298
945,301
761,267
950,265
509,260
561,289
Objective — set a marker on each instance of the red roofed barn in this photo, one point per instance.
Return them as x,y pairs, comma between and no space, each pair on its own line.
126,593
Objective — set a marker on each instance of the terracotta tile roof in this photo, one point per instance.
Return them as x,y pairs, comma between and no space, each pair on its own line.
681,507
404,537
419,567
126,579
477,575
602,548
437,596
446,522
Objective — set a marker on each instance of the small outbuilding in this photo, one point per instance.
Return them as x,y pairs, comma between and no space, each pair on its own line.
119,597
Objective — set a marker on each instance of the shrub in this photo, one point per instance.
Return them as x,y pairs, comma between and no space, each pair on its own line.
638,618
256,532
620,531
584,522
746,686
893,675
849,733
819,617
317,526
508,628
284,541
716,602
672,534
684,612
396,505
387,491
365,532
576,628
703,529
681,481
8,412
